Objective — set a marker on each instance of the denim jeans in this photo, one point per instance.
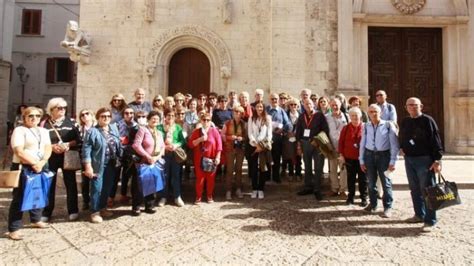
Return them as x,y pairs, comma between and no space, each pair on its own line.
420,177
377,163
55,162
312,180
15,214
173,177
101,187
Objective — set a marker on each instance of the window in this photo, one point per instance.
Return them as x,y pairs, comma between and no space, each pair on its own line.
59,70
31,22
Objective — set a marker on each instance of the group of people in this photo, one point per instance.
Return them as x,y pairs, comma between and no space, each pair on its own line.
217,132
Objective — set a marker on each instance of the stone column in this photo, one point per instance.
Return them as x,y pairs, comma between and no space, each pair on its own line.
345,42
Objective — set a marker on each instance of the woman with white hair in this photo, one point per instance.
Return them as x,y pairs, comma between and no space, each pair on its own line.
348,148
64,135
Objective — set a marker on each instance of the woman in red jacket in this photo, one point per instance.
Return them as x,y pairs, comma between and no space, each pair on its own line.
206,142
348,147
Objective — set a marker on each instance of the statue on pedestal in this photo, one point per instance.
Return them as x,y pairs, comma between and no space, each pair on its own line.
77,43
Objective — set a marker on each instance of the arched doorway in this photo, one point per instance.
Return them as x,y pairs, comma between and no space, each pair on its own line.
189,72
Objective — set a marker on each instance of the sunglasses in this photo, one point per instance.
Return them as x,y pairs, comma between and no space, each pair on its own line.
206,120
141,116
157,100
181,113
274,99
61,107
281,98
105,116
117,100
378,95
34,116
223,101
293,104
128,113
84,114
169,116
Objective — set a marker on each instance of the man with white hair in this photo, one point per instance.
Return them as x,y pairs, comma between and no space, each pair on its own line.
337,119
304,95
140,104
258,97
421,145
377,156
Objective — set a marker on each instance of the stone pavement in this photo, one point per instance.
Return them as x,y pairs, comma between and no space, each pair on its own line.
280,229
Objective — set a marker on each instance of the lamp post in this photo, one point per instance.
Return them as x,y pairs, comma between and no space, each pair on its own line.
20,70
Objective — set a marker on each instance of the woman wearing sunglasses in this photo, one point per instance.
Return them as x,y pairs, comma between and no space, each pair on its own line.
100,152
31,148
117,104
64,134
86,122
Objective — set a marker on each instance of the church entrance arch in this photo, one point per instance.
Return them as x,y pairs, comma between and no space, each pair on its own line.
157,63
189,72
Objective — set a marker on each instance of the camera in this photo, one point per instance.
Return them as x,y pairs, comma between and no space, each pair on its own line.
237,144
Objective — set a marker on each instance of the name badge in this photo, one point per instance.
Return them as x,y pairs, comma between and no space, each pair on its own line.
306,133
356,145
292,139
412,142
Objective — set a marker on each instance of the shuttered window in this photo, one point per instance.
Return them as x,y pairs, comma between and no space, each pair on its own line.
59,70
31,22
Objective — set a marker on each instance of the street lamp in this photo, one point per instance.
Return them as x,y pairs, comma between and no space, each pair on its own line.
20,70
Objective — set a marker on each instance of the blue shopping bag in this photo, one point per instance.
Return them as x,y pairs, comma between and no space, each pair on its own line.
160,175
33,193
46,180
151,178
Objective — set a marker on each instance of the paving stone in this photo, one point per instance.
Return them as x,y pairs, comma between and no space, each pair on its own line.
69,256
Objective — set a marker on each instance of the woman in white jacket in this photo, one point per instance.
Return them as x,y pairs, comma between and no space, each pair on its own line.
260,139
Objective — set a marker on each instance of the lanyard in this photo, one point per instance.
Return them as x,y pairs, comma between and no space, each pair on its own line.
306,120
37,137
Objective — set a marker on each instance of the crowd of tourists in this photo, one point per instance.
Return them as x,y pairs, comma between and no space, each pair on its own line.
207,135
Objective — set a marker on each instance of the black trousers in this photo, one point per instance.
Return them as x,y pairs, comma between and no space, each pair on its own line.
55,163
137,196
277,149
354,173
15,215
258,178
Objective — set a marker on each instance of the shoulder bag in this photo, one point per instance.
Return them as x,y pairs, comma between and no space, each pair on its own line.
72,159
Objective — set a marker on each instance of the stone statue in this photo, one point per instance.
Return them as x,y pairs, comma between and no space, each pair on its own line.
225,75
149,10
77,42
226,11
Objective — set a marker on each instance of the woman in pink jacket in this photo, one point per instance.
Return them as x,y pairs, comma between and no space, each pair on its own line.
149,145
206,142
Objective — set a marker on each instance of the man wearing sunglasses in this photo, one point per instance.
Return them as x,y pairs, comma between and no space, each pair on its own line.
389,113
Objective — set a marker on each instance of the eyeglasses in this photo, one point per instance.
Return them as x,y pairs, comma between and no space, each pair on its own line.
61,107
128,113
141,116
206,120
117,100
105,116
34,116
378,95
274,99
85,113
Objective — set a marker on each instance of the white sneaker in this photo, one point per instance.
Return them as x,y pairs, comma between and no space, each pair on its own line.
238,193
387,213
228,195
45,219
96,218
261,195
162,202
73,216
254,194
179,202
428,228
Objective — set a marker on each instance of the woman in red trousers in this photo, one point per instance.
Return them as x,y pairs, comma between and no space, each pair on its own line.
206,142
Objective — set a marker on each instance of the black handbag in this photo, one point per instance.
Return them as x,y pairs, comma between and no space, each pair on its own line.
442,195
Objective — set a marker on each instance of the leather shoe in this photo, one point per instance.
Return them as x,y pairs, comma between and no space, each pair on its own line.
136,212
318,196
150,210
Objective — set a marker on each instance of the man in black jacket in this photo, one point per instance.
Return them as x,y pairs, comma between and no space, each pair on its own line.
420,142
310,124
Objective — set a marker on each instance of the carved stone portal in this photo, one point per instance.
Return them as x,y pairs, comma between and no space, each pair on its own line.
408,7
195,36
77,43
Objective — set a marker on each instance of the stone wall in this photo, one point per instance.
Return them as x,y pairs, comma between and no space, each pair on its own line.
274,45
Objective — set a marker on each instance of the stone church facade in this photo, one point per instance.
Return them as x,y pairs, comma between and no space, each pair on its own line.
406,47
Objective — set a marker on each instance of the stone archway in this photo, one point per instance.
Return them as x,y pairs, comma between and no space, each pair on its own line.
187,36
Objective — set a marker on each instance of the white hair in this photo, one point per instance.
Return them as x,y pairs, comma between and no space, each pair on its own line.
376,107
55,102
259,91
305,90
355,110
244,93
